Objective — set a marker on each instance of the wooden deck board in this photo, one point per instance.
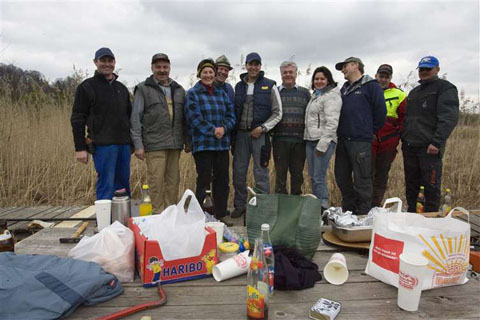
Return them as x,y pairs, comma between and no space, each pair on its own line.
362,297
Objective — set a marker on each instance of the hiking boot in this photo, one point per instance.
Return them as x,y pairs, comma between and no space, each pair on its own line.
237,213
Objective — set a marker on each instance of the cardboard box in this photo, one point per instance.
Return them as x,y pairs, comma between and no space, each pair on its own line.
153,268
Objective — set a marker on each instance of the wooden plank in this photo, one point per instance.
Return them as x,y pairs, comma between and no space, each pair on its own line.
430,307
25,213
9,211
85,213
4,210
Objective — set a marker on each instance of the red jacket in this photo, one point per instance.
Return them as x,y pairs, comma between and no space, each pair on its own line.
389,135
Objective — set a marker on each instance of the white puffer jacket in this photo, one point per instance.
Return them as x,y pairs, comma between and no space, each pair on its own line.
321,118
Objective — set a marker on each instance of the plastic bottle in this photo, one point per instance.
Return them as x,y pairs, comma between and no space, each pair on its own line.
269,256
447,202
146,205
7,243
257,284
421,200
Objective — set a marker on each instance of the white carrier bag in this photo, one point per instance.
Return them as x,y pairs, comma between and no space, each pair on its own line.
445,242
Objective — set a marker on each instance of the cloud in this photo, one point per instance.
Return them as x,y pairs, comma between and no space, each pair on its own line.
51,37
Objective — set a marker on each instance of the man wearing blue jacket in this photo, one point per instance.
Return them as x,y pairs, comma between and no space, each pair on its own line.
363,114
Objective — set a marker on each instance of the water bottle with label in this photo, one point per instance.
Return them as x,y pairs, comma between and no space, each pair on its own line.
269,256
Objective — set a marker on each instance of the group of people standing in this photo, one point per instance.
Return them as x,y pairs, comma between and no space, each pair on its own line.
362,123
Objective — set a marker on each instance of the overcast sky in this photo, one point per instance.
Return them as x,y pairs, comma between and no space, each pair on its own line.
52,36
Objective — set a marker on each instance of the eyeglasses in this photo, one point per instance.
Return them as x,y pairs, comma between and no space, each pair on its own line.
425,69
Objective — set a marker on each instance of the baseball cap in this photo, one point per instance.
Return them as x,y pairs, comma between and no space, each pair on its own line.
428,62
385,68
160,56
223,61
253,56
102,52
339,65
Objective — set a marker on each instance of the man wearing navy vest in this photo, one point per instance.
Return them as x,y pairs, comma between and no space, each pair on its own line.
431,116
384,147
363,114
258,108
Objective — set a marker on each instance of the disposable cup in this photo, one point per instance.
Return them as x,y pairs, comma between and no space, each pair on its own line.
336,271
232,267
410,280
103,213
218,227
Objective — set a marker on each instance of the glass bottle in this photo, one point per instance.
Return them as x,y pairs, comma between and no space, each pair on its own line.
447,202
146,205
257,284
7,243
421,200
269,256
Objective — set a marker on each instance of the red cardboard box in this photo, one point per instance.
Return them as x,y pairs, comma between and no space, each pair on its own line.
153,268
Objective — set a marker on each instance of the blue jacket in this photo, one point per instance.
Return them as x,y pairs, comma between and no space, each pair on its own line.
363,110
204,113
262,106
227,87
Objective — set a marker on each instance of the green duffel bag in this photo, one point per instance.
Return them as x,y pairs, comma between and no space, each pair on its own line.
294,220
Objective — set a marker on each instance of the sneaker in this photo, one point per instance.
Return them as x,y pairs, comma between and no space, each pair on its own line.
237,213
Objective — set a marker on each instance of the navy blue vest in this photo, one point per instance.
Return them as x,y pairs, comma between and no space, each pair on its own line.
262,105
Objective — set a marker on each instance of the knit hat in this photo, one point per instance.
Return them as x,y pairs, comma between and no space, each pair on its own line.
206,63
223,61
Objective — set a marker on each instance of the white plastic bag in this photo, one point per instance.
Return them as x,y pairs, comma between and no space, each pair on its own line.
113,248
180,232
445,242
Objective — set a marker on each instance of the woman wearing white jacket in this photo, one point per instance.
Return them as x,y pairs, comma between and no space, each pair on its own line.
321,121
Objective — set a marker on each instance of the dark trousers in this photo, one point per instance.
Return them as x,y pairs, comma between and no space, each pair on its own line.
353,173
422,169
289,156
216,163
381,164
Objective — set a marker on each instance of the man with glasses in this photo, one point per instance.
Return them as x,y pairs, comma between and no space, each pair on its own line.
431,116
384,147
362,115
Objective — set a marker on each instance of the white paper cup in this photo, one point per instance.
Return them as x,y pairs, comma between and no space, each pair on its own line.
218,227
336,271
410,280
103,213
232,267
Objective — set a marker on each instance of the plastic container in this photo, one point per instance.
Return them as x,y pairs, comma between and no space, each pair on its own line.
228,250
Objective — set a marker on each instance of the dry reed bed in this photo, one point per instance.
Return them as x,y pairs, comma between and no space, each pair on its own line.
37,164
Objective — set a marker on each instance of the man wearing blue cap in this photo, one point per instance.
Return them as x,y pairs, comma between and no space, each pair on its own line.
431,116
102,105
258,108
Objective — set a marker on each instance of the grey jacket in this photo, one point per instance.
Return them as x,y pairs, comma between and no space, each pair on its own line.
152,127
321,118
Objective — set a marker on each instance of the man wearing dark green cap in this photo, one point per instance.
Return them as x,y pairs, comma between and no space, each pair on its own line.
158,131
223,69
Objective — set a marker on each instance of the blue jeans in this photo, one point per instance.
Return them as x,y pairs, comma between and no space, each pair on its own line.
112,163
317,169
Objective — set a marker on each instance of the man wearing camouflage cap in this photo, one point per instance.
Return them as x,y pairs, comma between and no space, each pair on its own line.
223,69
158,131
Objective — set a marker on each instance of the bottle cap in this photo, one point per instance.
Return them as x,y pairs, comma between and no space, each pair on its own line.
448,190
228,247
145,186
265,227
422,187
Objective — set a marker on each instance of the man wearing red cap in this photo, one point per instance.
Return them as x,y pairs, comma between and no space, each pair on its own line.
431,116
384,147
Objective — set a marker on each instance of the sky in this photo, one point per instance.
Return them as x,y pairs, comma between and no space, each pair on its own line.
53,37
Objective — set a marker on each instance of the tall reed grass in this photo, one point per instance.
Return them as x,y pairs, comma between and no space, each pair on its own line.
37,161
